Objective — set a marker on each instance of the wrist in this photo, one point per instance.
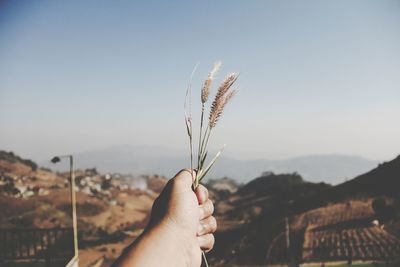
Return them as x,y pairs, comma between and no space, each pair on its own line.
183,245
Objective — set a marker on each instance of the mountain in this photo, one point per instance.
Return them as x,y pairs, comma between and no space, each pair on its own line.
383,180
138,160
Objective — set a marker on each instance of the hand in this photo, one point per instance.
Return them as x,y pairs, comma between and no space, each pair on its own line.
181,225
186,213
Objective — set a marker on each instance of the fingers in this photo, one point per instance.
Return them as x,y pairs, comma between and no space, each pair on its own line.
206,209
206,242
207,226
201,194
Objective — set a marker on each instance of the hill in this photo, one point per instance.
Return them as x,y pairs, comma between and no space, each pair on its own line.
112,208
385,179
269,183
325,223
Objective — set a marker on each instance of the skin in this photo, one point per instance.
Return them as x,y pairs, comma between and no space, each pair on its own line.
180,227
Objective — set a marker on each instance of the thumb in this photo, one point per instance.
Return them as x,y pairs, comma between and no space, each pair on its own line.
183,180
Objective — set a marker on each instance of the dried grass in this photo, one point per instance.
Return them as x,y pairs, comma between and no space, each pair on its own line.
223,96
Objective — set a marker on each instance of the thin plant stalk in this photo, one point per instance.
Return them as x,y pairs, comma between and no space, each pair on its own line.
205,141
205,259
188,117
222,97
205,93
200,136
203,172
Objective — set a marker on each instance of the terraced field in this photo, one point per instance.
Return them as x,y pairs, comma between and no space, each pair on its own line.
334,214
367,243
337,232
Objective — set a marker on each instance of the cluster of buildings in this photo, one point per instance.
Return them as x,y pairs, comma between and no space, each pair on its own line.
94,184
88,182
21,187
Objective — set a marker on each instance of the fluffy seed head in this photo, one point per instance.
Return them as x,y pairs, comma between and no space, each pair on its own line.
222,98
229,96
205,91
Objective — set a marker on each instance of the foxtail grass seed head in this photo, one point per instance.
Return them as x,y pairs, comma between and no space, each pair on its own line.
229,97
222,98
205,91
226,84
216,115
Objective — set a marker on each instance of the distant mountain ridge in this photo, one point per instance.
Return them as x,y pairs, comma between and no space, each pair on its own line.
382,180
139,160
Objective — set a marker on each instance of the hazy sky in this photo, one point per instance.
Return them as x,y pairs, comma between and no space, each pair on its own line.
316,77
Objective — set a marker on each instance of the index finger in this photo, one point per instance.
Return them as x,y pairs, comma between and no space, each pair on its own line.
201,194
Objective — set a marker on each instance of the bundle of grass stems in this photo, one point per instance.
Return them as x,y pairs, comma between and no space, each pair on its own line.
223,96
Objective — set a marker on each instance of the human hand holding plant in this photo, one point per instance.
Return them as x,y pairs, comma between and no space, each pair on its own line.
223,96
181,226
186,212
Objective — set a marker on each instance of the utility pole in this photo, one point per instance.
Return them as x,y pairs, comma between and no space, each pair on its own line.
73,200
56,159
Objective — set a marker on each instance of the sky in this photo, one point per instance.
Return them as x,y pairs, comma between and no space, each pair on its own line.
316,77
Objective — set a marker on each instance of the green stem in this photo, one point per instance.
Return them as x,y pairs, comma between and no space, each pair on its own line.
205,140
205,258
189,132
200,136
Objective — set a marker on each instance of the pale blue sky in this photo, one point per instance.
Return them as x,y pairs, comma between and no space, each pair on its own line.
317,77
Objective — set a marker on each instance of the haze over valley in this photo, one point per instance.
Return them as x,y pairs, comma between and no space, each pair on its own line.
137,160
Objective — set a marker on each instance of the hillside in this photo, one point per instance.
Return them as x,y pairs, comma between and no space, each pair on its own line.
385,179
269,183
326,223
381,181
112,208
355,220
